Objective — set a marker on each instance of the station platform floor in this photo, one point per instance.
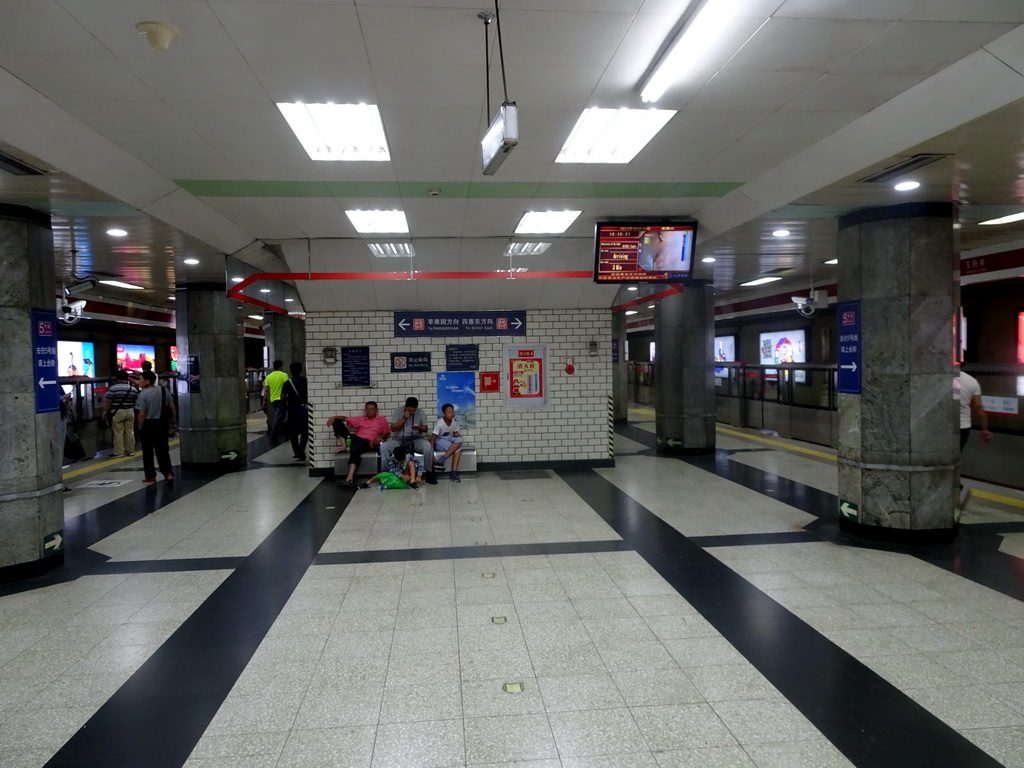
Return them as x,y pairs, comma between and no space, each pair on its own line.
702,612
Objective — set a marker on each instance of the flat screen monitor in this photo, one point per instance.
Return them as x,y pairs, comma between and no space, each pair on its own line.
725,352
643,252
780,347
76,358
131,356
174,358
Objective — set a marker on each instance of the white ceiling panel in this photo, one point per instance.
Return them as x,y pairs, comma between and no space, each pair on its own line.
787,131
78,78
455,134
550,38
922,47
285,30
838,92
843,9
26,22
340,79
221,82
312,217
804,45
430,84
758,91
417,36
434,216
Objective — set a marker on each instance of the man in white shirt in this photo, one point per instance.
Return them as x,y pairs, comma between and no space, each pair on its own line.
970,404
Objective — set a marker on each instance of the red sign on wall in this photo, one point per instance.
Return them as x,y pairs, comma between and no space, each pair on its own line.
490,381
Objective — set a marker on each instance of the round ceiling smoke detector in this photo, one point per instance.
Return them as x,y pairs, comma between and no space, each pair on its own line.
159,34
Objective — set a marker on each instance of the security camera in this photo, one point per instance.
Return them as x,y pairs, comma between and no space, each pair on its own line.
808,306
69,312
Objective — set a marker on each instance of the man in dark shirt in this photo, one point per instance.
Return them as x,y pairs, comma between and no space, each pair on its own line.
295,392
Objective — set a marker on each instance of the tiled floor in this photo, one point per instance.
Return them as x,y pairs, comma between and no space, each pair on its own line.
698,613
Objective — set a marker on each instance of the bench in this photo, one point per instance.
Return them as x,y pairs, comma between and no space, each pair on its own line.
466,464
368,464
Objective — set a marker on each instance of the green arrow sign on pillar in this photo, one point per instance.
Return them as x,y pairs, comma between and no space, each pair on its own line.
848,509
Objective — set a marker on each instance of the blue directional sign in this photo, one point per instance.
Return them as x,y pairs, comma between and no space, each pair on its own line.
848,319
461,323
44,357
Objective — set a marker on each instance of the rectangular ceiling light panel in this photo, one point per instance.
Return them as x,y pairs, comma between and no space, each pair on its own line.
379,222
338,131
546,222
759,281
526,249
385,250
612,135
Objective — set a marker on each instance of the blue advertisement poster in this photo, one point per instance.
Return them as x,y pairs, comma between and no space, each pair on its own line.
459,389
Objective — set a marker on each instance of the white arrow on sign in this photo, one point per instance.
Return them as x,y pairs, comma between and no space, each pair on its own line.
402,324
518,323
851,367
54,543
673,442
848,509
230,455
43,382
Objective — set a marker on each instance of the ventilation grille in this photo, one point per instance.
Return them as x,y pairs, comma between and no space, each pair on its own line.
16,167
901,168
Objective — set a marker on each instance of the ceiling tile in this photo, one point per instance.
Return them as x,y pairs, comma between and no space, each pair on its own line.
804,45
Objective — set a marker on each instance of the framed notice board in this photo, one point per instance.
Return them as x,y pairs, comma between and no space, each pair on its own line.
355,366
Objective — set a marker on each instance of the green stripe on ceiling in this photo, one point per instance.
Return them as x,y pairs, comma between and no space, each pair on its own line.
457,189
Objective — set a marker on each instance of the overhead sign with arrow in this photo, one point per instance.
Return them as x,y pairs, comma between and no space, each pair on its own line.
44,357
848,319
461,323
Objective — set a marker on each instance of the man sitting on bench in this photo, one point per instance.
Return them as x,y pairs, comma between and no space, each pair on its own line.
368,430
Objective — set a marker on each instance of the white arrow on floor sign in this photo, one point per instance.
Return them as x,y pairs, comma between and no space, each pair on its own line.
851,367
848,509
54,543
673,442
230,455
43,382
402,324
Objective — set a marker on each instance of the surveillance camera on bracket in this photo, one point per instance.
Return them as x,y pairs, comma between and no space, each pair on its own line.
82,285
69,312
808,306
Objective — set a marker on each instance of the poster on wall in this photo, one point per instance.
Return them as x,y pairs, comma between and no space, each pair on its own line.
725,352
76,358
459,389
780,347
526,377
355,366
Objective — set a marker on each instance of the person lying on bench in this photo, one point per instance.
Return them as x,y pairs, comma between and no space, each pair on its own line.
403,467
369,429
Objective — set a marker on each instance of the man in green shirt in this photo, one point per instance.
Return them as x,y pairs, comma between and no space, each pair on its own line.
272,387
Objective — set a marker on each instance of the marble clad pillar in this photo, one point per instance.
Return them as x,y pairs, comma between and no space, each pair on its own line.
285,339
211,364
620,370
31,500
898,440
684,375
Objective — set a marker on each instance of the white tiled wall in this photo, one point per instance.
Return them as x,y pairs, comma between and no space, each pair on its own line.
575,428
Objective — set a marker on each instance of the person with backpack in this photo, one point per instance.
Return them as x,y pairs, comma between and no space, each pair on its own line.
119,412
295,392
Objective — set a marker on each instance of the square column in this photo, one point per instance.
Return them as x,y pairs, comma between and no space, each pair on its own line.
898,450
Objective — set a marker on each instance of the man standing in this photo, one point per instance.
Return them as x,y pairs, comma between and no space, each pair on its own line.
295,395
272,398
367,432
970,404
119,405
409,429
153,427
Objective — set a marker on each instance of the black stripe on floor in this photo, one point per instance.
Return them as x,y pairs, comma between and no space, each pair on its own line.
974,555
753,539
463,553
156,718
864,716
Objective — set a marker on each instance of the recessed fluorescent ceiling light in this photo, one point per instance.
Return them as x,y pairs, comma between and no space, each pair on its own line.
690,47
630,311
612,135
708,259
255,317
514,269
289,300
526,249
237,279
338,131
117,232
780,233
191,261
906,186
378,222
384,250
264,290
832,261
119,284
650,306
760,281
632,288
546,222
1002,220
